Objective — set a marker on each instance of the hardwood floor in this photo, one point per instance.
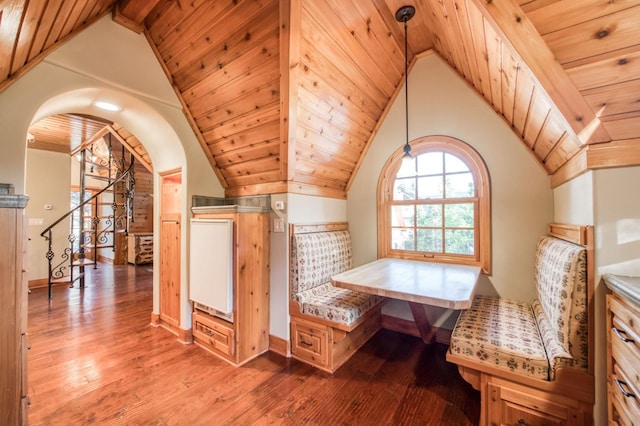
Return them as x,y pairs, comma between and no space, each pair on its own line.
96,360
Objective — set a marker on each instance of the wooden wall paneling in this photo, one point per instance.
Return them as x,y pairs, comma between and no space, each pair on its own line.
364,24
623,126
494,53
223,35
252,168
567,147
477,26
267,148
246,105
290,31
523,39
524,95
614,99
220,88
324,170
56,31
45,23
338,87
315,140
354,121
324,62
445,12
468,43
167,15
12,13
342,40
334,132
550,134
255,178
28,32
608,68
249,43
538,112
614,154
254,137
192,26
375,32
562,14
509,76
574,167
227,128
73,19
595,36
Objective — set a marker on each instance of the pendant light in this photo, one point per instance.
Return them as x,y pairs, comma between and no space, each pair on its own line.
403,15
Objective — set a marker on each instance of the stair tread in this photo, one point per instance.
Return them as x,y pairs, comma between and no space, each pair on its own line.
84,262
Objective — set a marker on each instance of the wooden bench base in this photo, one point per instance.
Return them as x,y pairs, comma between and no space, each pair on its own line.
508,398
327,347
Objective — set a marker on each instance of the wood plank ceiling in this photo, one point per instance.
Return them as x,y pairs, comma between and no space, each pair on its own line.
287,95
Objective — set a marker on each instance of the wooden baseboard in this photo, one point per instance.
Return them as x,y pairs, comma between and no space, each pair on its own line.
404,326
279,346
42,282
104,259
185,336
155,319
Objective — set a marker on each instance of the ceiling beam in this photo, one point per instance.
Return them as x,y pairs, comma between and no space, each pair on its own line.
132,13
508,20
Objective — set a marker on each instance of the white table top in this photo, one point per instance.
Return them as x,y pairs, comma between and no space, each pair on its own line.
437,284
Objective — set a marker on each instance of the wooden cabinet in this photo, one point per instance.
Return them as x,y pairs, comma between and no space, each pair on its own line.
514,404
245,334
623,351
140,248
13,313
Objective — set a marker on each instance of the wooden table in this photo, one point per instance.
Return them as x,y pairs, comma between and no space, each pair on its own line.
419,283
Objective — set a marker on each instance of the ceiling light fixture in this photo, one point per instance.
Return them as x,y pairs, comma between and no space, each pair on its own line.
403,15
107,106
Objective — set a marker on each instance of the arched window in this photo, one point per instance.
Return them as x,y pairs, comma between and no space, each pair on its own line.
436,206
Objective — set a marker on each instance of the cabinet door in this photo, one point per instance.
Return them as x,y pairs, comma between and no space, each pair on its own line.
170,271
513,405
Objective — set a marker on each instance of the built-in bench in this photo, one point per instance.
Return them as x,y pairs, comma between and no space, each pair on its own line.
328,324
532,362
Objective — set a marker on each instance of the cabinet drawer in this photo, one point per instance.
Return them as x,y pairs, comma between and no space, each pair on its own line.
627,317
213,334
310,343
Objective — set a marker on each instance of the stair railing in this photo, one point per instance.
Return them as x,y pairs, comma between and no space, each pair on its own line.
57,271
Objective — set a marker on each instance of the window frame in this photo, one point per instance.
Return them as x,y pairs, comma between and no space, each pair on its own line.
482,202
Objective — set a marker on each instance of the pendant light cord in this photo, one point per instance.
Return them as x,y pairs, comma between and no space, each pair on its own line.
406,88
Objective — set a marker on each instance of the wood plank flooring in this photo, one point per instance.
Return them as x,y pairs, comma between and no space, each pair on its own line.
96,360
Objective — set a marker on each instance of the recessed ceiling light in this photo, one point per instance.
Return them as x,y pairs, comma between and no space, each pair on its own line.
107,106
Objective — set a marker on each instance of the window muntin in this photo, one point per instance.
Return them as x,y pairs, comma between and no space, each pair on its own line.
436,207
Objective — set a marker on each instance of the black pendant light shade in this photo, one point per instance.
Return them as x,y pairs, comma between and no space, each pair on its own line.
403,15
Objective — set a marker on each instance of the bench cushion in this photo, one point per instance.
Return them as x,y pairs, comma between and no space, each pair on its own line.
502,333
561,283
316,257
335,304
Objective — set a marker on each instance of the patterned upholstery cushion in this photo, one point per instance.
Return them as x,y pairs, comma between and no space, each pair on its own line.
561,281
316,257
558,357
502,333
336,304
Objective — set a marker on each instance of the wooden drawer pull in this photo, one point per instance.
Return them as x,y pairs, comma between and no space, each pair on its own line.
622,335
523,422
302,342
621,385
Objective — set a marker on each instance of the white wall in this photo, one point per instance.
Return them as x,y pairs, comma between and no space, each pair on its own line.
47,183
298,209
119,66
440,103
606,199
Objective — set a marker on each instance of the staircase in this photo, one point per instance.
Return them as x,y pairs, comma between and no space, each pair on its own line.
96,221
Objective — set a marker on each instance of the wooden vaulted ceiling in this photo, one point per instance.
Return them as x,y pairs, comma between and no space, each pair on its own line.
287,95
